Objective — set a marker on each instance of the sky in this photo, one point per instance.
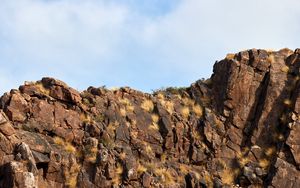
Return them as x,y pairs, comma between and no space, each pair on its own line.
144,44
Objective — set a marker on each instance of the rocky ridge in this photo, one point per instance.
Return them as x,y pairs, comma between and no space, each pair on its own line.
237,129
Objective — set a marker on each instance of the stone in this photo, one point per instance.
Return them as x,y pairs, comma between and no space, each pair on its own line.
240,129
7,129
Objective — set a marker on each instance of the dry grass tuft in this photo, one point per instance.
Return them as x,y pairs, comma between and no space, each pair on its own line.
154,126
59,141
160,96
122,156
184,169
271,58
147,105
148,149
270,151
155,118
287,102
42,89
70,148
72,181
264,163
141,168
185,111
230,56
228,176
123,112
169,107
67,145
165,176
119,169
285,69
197,109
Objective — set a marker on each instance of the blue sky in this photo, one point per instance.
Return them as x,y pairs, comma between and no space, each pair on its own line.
144,44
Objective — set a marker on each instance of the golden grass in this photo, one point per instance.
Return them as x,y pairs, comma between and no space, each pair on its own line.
196,135
188,102
70,148
147,105
270,151
155,118
229,56
114,88
119,169
280,137
42,89
165,176
287,102
141,168
134,134
112,127
123,112
184,169
185,111
148,149
122,156
72,181
197,109
67,145
163,158
169,107
228,176
285,69
154,126
243,161
71,176
160,96
130,108
264,163
91,154
125,101
59,141
271,58
85,118
116,181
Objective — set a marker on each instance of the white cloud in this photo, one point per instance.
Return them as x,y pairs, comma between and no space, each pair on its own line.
106,42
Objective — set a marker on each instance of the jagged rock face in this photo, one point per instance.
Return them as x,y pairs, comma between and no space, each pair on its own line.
240,128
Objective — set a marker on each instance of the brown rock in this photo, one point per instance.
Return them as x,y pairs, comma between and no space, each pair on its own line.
53,136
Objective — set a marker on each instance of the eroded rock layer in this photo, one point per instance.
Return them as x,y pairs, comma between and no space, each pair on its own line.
240,128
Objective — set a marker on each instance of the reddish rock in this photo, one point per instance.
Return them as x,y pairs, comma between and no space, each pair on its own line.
245,132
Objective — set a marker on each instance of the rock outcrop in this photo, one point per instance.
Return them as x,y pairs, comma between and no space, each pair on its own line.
240,128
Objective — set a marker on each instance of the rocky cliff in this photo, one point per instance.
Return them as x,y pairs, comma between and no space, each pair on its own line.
240,128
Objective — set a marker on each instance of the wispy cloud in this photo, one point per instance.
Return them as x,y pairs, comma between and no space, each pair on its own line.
144,44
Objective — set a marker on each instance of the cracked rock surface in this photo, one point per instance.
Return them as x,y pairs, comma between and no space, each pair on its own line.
240,128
